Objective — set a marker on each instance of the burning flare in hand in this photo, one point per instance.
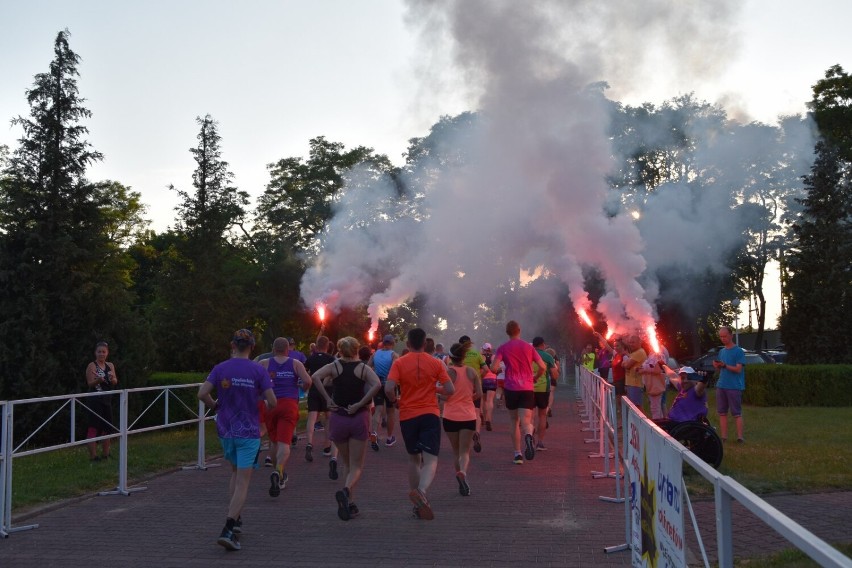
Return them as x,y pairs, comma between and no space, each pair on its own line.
585,317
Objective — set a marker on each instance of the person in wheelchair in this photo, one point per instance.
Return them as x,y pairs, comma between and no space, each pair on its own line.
691,400
687,422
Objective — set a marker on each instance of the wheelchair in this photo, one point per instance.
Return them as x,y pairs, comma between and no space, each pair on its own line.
698,436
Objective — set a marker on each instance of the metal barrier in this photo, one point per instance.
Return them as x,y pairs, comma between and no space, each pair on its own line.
9,451
4,462
726,490
598,400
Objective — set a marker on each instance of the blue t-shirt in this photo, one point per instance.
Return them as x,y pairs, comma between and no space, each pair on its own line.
729,379
238,383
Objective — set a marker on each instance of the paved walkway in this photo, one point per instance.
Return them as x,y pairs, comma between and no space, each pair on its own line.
546,512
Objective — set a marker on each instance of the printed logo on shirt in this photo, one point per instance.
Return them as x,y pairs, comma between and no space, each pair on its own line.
225,383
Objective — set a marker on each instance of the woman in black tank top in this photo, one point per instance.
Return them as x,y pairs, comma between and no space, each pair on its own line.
355,385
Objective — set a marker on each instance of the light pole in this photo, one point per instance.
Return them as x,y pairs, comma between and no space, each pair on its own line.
736,303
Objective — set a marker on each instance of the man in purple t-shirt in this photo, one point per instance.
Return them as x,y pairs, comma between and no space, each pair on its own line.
238,382
517,357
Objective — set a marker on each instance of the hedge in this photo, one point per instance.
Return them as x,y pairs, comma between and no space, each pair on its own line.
798,385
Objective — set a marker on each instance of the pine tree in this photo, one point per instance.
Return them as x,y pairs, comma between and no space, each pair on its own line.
816,326
64,285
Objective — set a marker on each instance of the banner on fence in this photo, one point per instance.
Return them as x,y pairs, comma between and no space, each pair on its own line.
656,503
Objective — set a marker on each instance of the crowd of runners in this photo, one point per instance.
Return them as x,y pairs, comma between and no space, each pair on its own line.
358,398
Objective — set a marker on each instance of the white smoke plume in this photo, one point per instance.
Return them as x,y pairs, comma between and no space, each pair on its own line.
532,190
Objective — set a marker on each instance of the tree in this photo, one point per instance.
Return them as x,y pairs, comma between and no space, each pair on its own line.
816,326
832,110
297,202
206,280
64,280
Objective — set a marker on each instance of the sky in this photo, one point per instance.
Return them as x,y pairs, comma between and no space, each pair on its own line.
276,74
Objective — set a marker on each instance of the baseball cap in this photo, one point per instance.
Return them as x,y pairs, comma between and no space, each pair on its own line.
486,346
389,339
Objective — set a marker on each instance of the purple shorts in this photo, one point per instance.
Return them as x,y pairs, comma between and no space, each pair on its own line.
343,426
729,399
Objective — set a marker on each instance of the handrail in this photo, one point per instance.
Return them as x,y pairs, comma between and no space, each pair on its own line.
8,451
726,490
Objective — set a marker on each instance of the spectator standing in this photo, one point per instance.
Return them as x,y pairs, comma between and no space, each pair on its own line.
631,363
100,377
729,389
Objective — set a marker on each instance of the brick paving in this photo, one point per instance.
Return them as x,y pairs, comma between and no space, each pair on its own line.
546,512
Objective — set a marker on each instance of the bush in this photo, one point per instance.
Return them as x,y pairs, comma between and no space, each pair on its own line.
799,385
154,416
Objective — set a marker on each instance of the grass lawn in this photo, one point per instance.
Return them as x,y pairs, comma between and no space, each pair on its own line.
799,449
43,478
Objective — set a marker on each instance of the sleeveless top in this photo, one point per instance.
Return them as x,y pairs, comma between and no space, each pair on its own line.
459,406
105,375
348,387
285,382
382,360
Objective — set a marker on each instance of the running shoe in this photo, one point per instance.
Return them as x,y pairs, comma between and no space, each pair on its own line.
529,452
374,441
284,479
326,451
267,462
275,484
353,510
228,539
421,505
318,427
464,488
342,504
309,453
264,447
488,425
518,460
332,469
238,526
540,447
294,440
390,441
477,445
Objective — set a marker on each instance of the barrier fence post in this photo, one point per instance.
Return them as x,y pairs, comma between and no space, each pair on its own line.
10,456
724,536
201,462
122,488
4,459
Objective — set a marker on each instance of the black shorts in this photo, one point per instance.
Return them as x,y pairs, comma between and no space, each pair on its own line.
459,425
316,402
489,385
542,399
422,434
519,399
382,400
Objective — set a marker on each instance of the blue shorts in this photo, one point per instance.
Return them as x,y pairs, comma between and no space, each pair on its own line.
729,399
242,452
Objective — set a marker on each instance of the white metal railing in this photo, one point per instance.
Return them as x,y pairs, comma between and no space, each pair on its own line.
29,446
4,444
726,490
598,399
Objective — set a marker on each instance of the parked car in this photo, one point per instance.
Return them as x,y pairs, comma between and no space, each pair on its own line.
704,364
780,356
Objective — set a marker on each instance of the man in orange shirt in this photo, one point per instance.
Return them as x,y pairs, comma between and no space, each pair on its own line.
416,374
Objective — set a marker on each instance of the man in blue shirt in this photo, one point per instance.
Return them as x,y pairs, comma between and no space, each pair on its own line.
729,390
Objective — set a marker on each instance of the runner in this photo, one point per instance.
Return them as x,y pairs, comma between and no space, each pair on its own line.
475,361
285,373
460,413
238,382
317,406
416,375
554,381
354,386
381,362
518,357
489,387
541,390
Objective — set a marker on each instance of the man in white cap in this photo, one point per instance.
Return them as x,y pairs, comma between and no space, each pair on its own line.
691,400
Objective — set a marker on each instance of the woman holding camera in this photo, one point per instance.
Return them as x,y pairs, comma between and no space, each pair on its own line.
100,377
